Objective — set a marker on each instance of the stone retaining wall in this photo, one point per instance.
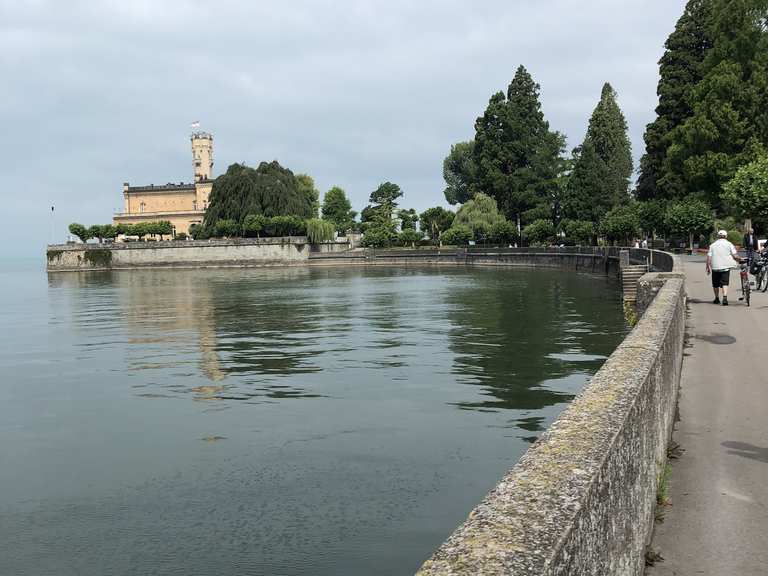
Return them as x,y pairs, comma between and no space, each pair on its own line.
581,500
230,252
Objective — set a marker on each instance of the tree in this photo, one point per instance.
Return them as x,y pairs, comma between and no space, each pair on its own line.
479,214
197,232
338,209
503,233
748,191
306,186
408,219
319,231
728,126
516,155
539,232
384,199
270,190
607,134
690,216
578,232
621,223
460,173
458,235
380,237
286,226
254,225
226,229
680,69
80,231
651,215
95,231
435,221
410,236
587,193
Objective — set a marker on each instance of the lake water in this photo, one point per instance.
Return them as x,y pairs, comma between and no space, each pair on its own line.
297,421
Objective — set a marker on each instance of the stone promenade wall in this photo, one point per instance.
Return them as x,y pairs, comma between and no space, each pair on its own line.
232,252
581,500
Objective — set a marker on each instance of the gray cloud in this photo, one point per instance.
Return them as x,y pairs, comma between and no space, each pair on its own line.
353,93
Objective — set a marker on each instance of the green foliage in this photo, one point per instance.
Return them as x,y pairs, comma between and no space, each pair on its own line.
587,193
578,232
503,232
227,228
319,231
306,185
254,225
516,155
460,173
435,221
479,214
539,232
748,191
181,236
379,237
457,235
652,216
408,219
410,236
735,237
680,69
728,125
621,224
338,209
607,133
689,217
384,200
270,190
54,255
80,231
198,232
286,226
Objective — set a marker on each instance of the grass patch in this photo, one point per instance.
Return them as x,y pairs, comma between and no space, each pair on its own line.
630,314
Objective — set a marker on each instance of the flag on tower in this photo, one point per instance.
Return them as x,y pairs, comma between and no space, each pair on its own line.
196,124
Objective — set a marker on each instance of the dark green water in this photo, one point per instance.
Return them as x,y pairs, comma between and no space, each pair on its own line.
274,422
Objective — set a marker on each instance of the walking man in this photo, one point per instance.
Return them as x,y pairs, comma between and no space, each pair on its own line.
719,263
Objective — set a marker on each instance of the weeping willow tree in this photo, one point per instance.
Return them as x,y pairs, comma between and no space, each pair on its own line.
320,231
269,190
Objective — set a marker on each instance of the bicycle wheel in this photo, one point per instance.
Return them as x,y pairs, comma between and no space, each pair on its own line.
747,291
762,279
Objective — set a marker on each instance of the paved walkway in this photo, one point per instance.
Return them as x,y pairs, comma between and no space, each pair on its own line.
717,523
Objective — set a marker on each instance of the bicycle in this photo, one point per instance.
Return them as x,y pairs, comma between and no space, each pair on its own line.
746,287
760,267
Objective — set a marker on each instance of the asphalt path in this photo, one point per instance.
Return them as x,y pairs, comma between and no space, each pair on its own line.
716,522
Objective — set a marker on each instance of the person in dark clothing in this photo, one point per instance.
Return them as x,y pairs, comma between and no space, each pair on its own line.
750,244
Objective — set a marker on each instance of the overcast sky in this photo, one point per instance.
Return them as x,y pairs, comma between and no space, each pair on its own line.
354,93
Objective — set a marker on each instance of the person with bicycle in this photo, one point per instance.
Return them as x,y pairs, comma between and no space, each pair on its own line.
719,263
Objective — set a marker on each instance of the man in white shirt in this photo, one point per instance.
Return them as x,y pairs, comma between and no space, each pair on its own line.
720,260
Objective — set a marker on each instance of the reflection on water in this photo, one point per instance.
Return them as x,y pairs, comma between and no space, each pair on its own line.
275,421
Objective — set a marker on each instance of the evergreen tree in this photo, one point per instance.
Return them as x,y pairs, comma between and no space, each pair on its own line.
307,186
338,209
680,69
728,127
516,155
587,193
460,173
607,135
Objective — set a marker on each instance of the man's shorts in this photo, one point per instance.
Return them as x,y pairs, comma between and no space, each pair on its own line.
720,278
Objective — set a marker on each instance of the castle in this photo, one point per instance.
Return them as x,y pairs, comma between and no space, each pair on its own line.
181,204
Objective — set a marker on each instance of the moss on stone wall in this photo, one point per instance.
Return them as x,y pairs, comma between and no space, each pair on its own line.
99,258
54,254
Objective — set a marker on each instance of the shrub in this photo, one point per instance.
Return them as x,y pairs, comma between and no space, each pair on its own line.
80,231
458,235
181,236
379,237
286,226
320,230
503,233
226,228
578,232
409,237
539,232
254,224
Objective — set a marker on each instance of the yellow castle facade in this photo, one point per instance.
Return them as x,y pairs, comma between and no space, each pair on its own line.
181,204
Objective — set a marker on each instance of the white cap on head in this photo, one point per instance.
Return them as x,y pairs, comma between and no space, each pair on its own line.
722,233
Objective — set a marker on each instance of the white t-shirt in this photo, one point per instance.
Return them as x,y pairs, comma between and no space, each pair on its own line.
721,253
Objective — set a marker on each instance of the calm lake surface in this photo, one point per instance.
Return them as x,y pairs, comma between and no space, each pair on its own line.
274,421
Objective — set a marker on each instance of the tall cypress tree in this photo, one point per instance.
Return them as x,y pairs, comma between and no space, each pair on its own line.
728,126
607,134
587,193
516,155
680,69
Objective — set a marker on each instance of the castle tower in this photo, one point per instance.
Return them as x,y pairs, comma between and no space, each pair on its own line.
202,155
